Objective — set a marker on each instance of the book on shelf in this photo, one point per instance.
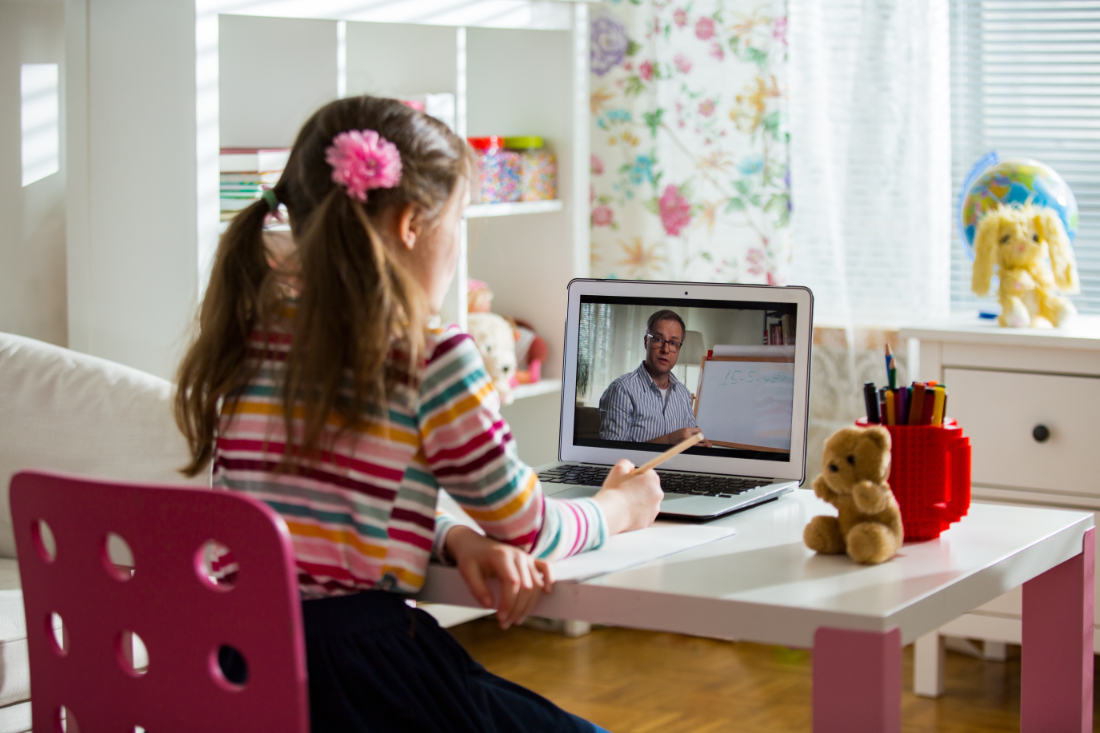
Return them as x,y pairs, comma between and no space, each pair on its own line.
272,223
235,205
236,190
270,178
253,160
779,330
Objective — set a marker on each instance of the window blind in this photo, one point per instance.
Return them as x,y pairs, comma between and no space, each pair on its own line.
1025,81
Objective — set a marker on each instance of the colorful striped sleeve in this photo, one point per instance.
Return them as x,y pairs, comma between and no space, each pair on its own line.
444,523
472,454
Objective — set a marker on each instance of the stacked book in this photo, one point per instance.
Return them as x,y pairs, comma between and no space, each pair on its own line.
246,173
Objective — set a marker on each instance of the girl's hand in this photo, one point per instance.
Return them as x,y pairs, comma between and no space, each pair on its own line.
629,503
521,576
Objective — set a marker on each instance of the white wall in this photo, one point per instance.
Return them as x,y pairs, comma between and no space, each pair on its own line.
32,218
265,93
132,200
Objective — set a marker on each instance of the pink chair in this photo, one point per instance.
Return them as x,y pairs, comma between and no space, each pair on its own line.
82,667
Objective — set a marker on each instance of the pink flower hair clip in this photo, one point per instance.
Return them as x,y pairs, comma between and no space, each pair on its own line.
362,160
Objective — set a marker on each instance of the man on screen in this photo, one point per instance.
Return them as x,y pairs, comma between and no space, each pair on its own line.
649,405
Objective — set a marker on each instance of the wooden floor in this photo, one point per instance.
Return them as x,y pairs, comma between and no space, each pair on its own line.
636,682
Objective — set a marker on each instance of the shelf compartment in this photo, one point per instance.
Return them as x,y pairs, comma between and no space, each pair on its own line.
478,211
224,225
544,386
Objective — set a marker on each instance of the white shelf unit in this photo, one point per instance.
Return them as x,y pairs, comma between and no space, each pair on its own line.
248,73
478,211
542,387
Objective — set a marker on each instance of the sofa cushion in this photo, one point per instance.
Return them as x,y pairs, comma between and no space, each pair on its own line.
16,718
70,412
15,676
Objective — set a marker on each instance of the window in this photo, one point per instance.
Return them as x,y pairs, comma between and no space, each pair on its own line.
40,121
1025,81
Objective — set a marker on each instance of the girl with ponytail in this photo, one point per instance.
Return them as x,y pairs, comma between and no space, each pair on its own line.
314,385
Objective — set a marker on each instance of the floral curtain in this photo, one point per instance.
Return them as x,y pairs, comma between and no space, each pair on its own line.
689,141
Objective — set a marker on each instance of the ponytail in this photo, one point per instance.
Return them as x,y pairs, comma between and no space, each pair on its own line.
358,324
237,296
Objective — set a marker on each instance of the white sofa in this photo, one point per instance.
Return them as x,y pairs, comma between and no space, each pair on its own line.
65,411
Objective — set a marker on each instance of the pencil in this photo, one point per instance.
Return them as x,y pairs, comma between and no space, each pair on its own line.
677,449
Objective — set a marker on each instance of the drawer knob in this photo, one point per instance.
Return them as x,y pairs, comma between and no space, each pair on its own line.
1041,433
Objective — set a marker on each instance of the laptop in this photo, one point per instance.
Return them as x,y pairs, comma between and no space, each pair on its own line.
649,363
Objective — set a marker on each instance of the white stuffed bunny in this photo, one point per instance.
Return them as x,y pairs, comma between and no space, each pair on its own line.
496,340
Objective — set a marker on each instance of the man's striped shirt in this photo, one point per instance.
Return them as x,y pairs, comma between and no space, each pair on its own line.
632,408
364,514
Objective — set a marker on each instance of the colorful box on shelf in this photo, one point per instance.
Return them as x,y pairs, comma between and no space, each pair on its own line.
515,169
537,168
499,170
929,475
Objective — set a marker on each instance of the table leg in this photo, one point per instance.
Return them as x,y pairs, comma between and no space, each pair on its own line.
929,658
857,681
1056,653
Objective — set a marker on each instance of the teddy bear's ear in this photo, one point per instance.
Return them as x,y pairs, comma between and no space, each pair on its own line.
879,435
985,251
1049,226
874,453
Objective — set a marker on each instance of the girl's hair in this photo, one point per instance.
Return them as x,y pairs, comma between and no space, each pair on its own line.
356,302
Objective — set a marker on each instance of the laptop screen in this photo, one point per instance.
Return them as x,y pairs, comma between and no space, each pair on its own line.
648,371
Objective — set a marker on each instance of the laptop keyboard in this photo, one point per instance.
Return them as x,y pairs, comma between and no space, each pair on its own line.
671,481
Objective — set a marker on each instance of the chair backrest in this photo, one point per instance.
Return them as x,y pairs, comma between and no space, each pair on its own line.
168,600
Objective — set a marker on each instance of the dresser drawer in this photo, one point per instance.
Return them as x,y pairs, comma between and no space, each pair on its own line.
999,411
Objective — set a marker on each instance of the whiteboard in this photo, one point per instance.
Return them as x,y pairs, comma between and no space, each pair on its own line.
746,397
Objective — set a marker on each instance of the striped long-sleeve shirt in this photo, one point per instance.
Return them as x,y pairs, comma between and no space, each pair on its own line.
364,514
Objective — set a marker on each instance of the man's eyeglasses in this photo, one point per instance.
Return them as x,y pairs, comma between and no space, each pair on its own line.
660,341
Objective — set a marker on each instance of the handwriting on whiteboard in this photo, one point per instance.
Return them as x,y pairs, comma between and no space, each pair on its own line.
734,377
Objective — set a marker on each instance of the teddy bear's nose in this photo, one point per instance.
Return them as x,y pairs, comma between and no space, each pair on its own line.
833,468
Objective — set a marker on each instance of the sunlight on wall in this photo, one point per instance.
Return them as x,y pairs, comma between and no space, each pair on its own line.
341,59
40,113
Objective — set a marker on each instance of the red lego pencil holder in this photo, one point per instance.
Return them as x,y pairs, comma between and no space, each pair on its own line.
929,475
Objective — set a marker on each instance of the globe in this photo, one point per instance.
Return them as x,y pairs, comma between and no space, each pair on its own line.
1015,182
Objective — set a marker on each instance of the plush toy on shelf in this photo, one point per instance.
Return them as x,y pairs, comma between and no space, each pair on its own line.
496,341
479,298
1027,248
854,468
531,352
1018,219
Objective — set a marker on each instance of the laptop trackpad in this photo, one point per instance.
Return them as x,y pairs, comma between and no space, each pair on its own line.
565,491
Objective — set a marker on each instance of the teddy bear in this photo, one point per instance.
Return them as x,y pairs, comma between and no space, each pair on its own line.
496,341
1029,249
854,468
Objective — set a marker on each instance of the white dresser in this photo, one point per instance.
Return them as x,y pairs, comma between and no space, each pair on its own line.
1030,401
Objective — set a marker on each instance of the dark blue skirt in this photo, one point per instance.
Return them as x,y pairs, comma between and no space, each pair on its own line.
375,664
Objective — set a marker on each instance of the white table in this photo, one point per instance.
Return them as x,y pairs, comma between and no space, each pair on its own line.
763,585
